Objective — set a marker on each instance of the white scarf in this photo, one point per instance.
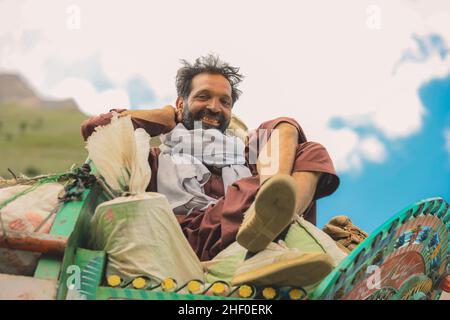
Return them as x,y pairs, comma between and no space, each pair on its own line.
181,170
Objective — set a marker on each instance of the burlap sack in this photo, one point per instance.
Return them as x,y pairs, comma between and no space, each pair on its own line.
26,213
142,237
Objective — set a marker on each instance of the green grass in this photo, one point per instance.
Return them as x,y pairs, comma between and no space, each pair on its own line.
37,141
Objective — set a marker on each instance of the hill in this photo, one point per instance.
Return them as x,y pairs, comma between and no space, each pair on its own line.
37,136
39,140
15,89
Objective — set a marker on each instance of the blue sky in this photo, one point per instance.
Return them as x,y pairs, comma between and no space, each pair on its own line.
417,168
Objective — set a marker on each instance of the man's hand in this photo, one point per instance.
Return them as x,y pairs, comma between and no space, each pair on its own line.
165,116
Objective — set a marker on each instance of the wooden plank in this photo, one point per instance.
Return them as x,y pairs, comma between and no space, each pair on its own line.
35,242
26,288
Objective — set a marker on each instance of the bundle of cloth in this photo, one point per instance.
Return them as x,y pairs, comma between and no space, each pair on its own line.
134,228
25,208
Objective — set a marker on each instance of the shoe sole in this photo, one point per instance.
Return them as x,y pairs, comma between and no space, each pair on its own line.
274,209
305,270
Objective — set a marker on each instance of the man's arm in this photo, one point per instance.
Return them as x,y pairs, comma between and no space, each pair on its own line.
154,121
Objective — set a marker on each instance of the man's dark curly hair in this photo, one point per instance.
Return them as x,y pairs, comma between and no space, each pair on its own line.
207,64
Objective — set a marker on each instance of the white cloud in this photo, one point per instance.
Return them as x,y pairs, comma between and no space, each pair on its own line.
343,150
86,96
447,140
373,149
314,61
349,150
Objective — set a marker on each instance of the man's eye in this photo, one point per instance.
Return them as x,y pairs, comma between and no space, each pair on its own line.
203,97
226,103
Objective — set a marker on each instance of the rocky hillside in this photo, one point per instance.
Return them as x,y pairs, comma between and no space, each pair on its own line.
15,89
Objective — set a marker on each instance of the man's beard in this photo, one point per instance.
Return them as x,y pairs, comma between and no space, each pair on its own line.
190,118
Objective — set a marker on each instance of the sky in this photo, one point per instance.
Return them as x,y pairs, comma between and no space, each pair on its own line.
370,80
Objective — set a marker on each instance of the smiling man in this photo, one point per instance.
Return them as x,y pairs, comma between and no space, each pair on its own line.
209,101
211,197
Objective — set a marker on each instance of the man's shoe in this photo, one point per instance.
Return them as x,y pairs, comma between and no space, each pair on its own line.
278,265
345,233
272,211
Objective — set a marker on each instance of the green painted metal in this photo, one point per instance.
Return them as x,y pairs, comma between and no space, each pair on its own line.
106,293
385,243
71,221
92,265
92,269
64,224
48,268
79,237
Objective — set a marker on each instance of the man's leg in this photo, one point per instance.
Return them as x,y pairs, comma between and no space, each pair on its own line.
282,194
285,144
276,157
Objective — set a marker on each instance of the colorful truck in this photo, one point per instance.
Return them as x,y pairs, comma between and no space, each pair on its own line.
405,258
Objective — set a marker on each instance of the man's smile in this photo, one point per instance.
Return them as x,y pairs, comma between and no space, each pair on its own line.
210,121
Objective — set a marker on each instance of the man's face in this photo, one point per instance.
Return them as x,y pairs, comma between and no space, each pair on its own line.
209,102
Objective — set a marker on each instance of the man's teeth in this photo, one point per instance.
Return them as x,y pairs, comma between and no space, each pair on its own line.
210,120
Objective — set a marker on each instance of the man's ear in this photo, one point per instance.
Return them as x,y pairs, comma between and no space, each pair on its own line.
179,103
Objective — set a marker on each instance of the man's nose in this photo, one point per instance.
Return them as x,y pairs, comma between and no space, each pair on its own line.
214,106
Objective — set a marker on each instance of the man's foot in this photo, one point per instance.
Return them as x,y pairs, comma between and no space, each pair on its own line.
345,233
281,266
272,211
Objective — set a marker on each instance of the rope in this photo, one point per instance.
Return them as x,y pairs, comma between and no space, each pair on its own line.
18,195
47,218
81,180
105,188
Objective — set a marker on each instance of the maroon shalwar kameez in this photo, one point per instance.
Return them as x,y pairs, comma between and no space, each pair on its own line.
211,231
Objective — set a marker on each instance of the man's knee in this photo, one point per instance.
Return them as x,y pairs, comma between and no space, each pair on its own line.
287,130
309,146
287,123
